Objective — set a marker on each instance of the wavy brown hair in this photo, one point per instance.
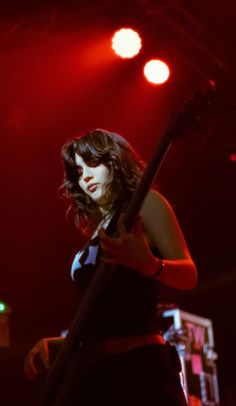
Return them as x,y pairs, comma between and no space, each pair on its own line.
100,147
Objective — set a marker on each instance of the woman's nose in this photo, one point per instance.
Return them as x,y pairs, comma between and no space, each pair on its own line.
87,178
87,175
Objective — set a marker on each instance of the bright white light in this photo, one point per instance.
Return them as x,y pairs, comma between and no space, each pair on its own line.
2,306
156,71
126,43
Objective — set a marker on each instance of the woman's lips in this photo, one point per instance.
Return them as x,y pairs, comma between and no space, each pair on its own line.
92,187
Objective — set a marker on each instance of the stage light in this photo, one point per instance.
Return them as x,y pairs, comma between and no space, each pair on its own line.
156,71
2,307
126,43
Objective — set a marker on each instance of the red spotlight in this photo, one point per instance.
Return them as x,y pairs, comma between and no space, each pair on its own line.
156,71
126,43
233,157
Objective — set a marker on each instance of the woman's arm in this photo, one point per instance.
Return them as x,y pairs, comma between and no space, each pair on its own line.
162,231
162,227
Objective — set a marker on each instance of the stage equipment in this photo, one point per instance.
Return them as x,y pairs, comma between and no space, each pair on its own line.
193,337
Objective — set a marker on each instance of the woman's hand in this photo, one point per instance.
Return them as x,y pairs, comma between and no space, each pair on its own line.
130,248
41,351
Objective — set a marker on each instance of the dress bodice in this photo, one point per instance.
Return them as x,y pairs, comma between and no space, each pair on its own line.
128,305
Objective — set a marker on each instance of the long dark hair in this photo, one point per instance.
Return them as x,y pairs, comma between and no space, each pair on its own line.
112,150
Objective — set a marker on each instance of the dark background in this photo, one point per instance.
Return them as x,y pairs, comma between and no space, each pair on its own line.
59,77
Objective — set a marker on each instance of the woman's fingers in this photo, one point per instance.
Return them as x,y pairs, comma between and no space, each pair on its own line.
45,354
108,243
114,245
30,370
39,350
129,248
109,252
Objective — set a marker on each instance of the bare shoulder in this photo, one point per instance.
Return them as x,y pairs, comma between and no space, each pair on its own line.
155,196
156,204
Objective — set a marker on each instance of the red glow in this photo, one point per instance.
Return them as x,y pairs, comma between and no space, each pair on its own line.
233,157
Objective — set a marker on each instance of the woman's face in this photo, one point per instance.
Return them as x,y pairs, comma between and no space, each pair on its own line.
93,179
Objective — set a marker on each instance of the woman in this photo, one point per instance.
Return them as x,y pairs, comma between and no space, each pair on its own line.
137,367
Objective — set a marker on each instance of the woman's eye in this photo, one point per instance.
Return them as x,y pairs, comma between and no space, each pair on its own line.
92,163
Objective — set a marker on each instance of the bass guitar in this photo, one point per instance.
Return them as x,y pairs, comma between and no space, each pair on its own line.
64,374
